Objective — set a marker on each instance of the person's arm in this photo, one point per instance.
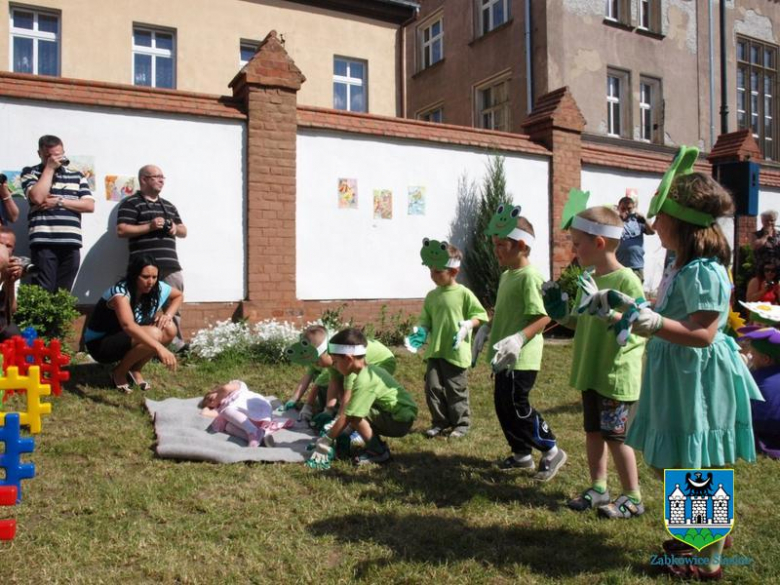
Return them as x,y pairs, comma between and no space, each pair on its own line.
760,242
302,386
38,192
340,422
535,326
165,317
124,314
178,230
646,227
754,291
129,230
698,330
9,205
83,205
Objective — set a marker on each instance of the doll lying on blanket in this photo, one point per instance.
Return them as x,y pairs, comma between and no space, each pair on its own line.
242,413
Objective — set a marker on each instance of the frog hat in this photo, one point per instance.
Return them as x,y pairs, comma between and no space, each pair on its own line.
668,199
576,204
304,353
764,339
503,224
435,255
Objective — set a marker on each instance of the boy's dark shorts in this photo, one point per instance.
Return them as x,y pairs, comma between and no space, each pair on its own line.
605,415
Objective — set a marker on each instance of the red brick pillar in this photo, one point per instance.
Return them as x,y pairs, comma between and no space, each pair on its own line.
268,85
557,123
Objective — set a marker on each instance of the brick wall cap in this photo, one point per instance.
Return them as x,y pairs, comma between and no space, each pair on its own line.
734,147
556,109
271,66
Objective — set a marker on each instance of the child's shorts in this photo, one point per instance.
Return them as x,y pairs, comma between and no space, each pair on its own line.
605,415
385,425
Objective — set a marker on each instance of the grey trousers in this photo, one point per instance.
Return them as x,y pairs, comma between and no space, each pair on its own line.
447,395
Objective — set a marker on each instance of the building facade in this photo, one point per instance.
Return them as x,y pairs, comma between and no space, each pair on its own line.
640,70
350,49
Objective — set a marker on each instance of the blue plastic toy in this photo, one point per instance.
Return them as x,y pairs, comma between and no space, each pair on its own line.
10,460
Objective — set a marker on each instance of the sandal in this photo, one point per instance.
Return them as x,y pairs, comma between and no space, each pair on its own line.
683,549
143,386
588,499
123,388
621,508
693,573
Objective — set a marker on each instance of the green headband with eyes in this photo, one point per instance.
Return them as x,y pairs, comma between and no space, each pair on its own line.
504,220
435,255
304,353
661,202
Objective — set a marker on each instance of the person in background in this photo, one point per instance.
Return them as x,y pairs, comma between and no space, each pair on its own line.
631,252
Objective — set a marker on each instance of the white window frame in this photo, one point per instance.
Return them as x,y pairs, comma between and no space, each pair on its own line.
612,10
348,80
154,52
35,34
645,15
246,44
488,6
618,105
490,111
650,106
426,46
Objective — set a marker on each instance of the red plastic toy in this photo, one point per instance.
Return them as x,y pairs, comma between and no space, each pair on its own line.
7,498
50,359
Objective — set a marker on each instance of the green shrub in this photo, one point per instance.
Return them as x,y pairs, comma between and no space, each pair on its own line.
568,282
50,314
391,329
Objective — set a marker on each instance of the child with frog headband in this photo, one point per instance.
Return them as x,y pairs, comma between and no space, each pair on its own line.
608,374
516,346
449,313
694,408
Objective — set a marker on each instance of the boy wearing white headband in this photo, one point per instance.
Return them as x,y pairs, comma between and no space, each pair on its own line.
374,405
608,375
449,313
516,346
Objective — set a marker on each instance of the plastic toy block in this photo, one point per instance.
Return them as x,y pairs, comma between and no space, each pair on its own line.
50,359
8,494
34,389
10,459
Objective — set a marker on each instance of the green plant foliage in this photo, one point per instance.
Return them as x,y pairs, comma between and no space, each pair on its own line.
568,282
390,329
745,270
333,319
479,261
51,315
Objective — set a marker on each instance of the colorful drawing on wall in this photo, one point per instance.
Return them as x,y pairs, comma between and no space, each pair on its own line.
348,194
85,164
14,182
383,204
416,201
119,186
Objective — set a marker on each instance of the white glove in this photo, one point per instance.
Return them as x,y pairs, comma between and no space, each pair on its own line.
463,333
478,342
647,323
600,302
323,454
507,352
306,413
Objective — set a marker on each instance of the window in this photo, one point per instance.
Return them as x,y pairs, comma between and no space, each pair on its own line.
35,42
650,15
492,13
756,93
247,50
349,85
154,58
433,115
432,44
618,11
493,106
650,110
617,103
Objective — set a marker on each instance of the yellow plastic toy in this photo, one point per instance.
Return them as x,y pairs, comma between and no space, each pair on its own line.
34,390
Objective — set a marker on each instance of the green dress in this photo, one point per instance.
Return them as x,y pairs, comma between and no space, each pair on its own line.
694,410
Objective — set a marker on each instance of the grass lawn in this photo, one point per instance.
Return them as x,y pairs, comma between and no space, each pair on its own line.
104,509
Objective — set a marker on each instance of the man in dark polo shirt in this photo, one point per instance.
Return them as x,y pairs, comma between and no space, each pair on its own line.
58,196
152,225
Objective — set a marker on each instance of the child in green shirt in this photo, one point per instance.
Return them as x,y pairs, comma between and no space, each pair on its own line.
516,348
608,375
374,403
449,313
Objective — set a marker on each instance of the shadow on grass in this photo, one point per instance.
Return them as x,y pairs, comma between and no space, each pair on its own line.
427,539
564,408
447,480
92,382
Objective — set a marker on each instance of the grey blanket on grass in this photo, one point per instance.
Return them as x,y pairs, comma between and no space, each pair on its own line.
183,433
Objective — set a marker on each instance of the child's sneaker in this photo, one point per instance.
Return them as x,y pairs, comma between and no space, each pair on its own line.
548,467
512,462
356,441
458,433
433,432
621,508
368,457
588,500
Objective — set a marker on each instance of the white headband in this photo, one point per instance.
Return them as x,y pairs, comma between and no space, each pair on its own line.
323,347
597,229
517,234
339,349
453,263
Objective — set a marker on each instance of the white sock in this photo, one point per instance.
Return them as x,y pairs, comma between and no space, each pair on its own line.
551,453
522,458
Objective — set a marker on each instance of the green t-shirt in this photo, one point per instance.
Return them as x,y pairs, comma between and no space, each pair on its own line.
377,354
599,363
518,302
444,308
375,389
321,376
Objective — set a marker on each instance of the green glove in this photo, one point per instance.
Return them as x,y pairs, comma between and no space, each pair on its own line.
555,300
416,339
290,404
323,454
323,418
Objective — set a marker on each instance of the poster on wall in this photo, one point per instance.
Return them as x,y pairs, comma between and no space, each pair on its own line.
14,182
383,204
633,194
348,194
416,205
85,164
119,186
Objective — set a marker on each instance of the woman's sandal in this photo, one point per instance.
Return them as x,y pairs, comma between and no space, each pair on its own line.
123,388
588,500
143,386
621,509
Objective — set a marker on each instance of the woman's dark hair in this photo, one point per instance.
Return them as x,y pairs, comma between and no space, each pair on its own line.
145,305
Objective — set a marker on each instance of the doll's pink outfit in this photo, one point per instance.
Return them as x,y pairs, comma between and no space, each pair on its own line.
247,415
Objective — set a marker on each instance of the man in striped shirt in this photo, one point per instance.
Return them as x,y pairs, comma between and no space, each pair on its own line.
58,196
152,224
